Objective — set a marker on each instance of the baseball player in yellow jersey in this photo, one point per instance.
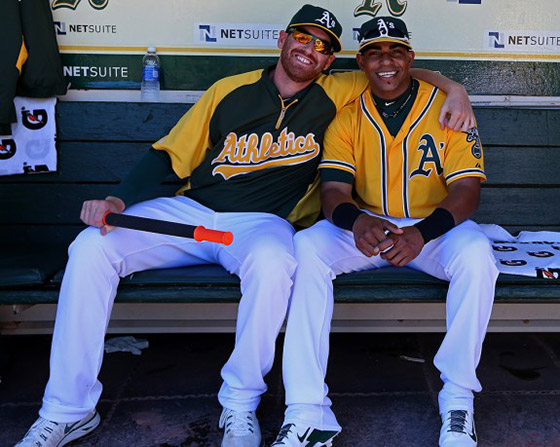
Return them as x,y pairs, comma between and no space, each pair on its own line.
398,190
248,153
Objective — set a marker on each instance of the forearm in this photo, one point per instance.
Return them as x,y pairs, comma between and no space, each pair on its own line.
462,200
460,204
331,198
144,177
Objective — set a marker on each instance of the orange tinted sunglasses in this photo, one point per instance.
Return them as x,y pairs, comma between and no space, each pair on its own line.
304,38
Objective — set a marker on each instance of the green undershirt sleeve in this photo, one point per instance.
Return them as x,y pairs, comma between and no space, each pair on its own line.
144,177
336,175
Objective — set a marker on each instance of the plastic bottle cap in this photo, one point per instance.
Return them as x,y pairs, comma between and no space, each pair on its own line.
151,49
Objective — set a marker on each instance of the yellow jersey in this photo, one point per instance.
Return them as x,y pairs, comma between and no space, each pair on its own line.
406,175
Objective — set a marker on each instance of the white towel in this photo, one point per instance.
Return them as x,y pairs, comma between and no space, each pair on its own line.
31,147
531,253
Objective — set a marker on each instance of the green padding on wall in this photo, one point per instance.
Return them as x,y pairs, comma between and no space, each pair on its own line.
93,71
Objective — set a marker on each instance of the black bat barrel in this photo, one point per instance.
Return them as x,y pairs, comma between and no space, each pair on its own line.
151,225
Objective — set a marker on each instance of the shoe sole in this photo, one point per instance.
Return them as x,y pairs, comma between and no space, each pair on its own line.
81,431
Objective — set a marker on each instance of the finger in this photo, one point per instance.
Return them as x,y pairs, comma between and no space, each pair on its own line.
87,213
469,124
406,258
376,236
399,260
403,262
97,216
455,121
390,254
442,118
372,236
106,229
83,213
385,245
99,213
91,216
367,249
389,226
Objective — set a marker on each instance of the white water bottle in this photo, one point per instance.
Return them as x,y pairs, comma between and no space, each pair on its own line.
149,87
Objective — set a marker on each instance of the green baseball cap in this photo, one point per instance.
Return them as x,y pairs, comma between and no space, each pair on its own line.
383,29
310,15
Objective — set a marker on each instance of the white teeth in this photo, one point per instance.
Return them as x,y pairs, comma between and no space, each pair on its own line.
387,74
303,60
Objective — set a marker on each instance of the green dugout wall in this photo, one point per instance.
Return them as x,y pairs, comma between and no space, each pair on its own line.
199,72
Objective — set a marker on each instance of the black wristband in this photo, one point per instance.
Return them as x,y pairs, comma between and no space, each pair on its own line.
436,224
345,214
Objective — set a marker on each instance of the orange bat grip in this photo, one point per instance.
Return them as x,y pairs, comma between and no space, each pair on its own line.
221,237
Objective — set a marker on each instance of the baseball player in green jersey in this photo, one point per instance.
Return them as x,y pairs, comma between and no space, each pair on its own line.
248,152
397,190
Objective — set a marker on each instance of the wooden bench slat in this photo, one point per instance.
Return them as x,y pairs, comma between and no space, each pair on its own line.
519,206
518,127
120,121
545,292
111,161
150,121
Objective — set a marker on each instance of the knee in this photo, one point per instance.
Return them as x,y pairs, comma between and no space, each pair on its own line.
271,260
89,246
476,257
309,244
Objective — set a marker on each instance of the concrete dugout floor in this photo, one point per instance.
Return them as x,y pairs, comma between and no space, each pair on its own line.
383,394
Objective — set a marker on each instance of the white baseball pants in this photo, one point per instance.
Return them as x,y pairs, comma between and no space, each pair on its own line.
462,256
261,255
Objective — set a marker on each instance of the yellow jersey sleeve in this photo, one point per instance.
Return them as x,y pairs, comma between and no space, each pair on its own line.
464,156
343,88
189,140
338,150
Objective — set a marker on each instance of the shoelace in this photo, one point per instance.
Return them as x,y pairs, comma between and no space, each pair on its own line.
283,434
458,421
239,423
43,428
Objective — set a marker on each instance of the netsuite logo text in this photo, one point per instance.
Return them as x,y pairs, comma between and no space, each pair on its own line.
516,40
237,34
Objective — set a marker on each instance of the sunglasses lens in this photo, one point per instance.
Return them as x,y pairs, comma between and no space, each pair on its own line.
302,38
319,45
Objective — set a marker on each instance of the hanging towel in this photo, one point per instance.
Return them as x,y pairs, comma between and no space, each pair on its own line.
30,65
31,147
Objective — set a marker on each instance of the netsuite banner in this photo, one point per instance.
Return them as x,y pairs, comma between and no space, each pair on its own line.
440,29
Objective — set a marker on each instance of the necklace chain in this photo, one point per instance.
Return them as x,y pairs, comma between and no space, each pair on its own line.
396,112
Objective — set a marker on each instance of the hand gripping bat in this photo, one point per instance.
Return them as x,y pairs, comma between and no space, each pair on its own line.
198,233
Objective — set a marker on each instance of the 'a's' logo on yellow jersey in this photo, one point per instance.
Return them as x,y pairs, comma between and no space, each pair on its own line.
248,153
430,155
472,135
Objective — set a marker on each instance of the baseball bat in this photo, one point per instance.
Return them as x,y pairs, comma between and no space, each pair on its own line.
198,233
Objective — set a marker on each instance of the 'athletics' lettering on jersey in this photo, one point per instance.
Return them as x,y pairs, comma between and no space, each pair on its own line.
248,153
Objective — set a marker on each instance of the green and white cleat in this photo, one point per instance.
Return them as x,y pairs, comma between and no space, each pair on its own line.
292,435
